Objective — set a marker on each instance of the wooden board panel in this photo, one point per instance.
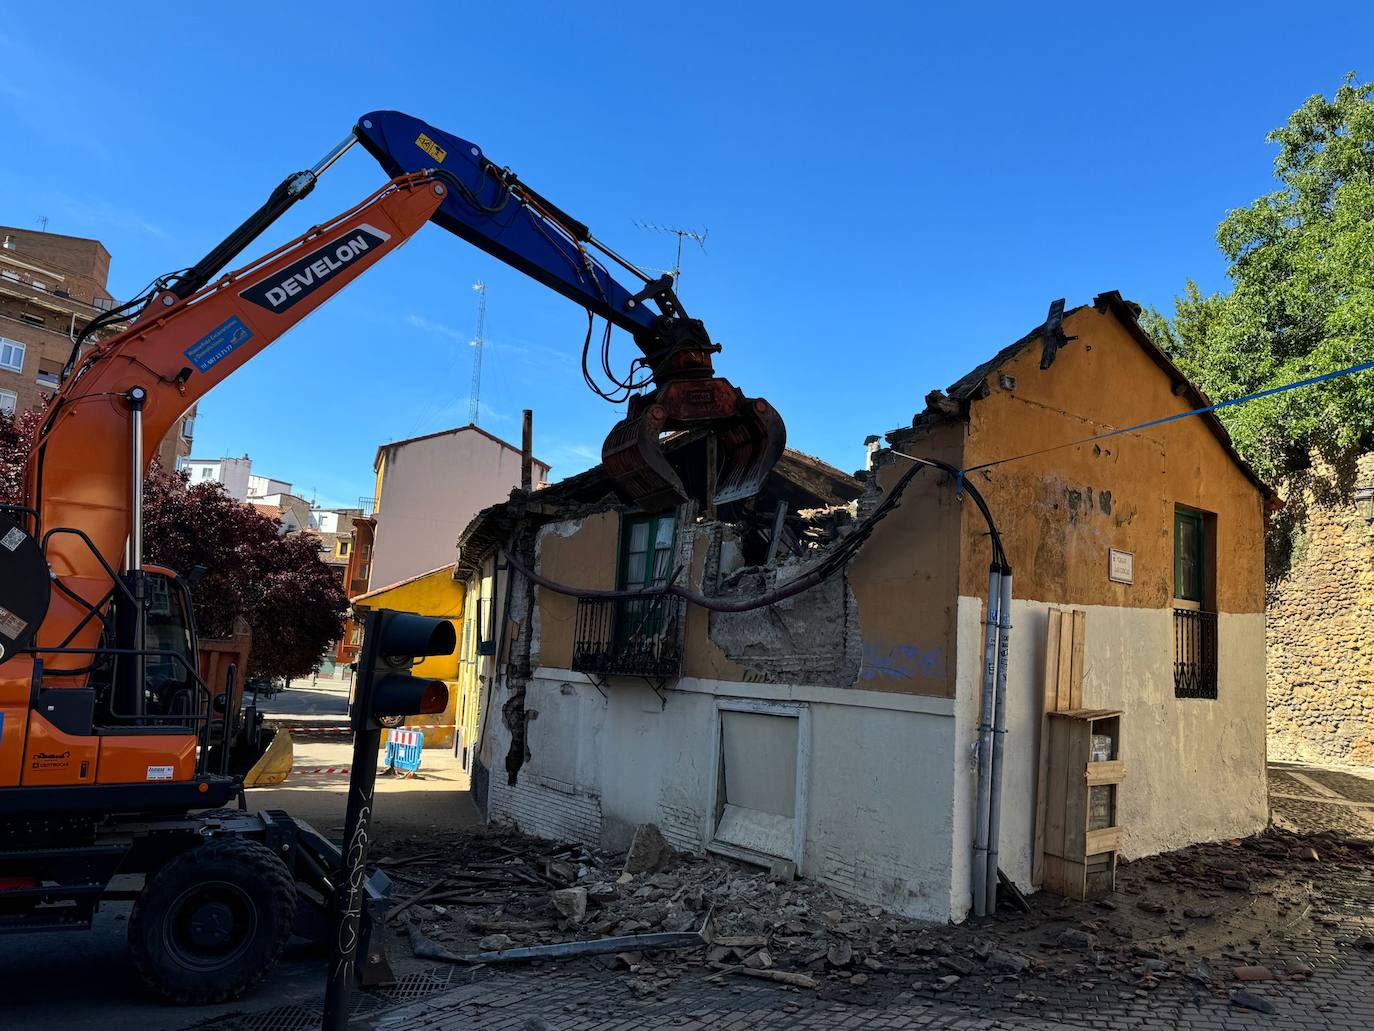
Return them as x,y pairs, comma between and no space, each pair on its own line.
1106,773
1075,754
1056,793
1108,839
1064,687
1069,878
1076,633
1047,699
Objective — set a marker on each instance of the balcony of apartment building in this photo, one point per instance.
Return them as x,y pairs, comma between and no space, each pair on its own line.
45,290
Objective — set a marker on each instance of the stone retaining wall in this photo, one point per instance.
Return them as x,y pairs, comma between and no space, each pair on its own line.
1320,629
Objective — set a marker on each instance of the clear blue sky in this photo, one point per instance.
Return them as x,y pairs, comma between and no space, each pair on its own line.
893,192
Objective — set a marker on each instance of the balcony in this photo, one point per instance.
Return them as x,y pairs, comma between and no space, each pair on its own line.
628,637
1195,654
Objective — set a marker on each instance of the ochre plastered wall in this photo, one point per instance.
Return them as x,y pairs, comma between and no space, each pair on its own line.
582,553
434,594
701,657
1053,509
905,578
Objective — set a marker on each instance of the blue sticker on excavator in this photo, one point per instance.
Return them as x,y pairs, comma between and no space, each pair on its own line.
481,210
219,343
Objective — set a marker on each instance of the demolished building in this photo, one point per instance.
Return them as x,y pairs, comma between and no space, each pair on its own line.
836,727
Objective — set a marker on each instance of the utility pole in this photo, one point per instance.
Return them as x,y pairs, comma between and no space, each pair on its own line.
474,395
699,238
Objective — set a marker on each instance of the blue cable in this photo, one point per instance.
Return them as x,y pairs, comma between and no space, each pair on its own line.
1362,367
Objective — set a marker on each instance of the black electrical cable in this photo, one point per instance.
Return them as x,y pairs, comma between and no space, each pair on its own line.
835,560
113,315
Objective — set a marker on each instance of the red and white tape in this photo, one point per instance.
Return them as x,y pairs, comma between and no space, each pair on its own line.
312,770
308,729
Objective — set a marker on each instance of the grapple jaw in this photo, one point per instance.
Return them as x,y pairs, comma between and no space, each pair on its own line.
749,433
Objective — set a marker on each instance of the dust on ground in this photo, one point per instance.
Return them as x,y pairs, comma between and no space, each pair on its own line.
1211,920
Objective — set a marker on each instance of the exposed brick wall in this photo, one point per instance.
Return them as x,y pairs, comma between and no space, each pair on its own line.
1320,629
547,808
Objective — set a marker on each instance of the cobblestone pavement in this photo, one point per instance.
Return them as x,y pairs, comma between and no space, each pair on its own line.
1337,992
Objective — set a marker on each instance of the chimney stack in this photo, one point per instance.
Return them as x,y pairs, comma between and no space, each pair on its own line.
527,451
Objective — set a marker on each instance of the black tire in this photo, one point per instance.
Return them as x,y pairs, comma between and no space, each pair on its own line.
212,922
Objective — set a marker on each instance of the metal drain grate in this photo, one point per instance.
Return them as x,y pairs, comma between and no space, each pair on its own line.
280,1018
409,988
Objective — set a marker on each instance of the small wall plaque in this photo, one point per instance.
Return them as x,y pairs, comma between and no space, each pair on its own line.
1120,566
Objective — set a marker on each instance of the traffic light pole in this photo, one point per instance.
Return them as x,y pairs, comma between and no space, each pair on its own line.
362,782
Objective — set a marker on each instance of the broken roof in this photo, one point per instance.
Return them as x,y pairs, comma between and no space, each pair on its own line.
801,480
972,386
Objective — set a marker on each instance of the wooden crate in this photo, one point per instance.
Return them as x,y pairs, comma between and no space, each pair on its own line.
1082,799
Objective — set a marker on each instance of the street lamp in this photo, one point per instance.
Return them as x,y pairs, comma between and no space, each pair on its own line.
1364,503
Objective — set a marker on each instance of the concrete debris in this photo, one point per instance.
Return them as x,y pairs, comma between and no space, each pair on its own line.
839,954
760,960
1190,936
1251,1001
649,851
571,903
783,871
1073,938
1008,961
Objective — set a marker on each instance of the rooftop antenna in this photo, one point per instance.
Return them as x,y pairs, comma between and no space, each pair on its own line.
699,238
42,223
476,392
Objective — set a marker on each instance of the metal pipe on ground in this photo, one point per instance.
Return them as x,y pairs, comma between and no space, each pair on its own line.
424,948
984,793
999,734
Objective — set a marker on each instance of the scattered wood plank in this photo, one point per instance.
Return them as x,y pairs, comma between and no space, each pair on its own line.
780,976
419,896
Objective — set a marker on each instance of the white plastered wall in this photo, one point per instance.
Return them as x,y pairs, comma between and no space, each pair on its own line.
1195,768
880,822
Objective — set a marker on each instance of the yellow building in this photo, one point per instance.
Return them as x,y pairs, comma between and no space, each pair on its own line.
434,593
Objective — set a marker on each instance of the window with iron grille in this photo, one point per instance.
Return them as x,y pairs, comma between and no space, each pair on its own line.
1195,621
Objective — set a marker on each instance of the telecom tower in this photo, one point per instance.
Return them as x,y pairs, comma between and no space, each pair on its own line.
474,395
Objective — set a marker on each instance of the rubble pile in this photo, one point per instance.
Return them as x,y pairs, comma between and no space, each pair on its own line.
1214,919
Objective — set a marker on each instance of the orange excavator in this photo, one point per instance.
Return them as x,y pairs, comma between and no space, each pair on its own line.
115,755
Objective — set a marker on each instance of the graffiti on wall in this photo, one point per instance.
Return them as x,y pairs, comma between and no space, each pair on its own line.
903,661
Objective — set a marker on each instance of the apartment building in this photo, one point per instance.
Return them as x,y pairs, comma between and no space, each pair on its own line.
51,287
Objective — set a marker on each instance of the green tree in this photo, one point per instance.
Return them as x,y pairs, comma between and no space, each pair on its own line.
1302,300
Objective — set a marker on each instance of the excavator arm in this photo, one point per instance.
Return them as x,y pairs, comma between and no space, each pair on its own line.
198,328
492,208
108,734
87,466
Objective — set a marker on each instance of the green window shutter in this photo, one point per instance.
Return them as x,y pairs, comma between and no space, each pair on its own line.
1189,560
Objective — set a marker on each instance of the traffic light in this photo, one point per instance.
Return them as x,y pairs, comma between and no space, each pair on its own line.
386,691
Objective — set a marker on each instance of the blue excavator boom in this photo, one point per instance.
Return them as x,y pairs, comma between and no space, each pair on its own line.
492,209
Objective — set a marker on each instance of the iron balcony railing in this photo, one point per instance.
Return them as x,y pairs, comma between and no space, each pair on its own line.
628,637
1195,654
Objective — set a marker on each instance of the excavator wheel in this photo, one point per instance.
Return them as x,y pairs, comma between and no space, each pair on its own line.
213,921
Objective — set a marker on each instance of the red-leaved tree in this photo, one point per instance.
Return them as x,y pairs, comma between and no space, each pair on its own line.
15,435
278,584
